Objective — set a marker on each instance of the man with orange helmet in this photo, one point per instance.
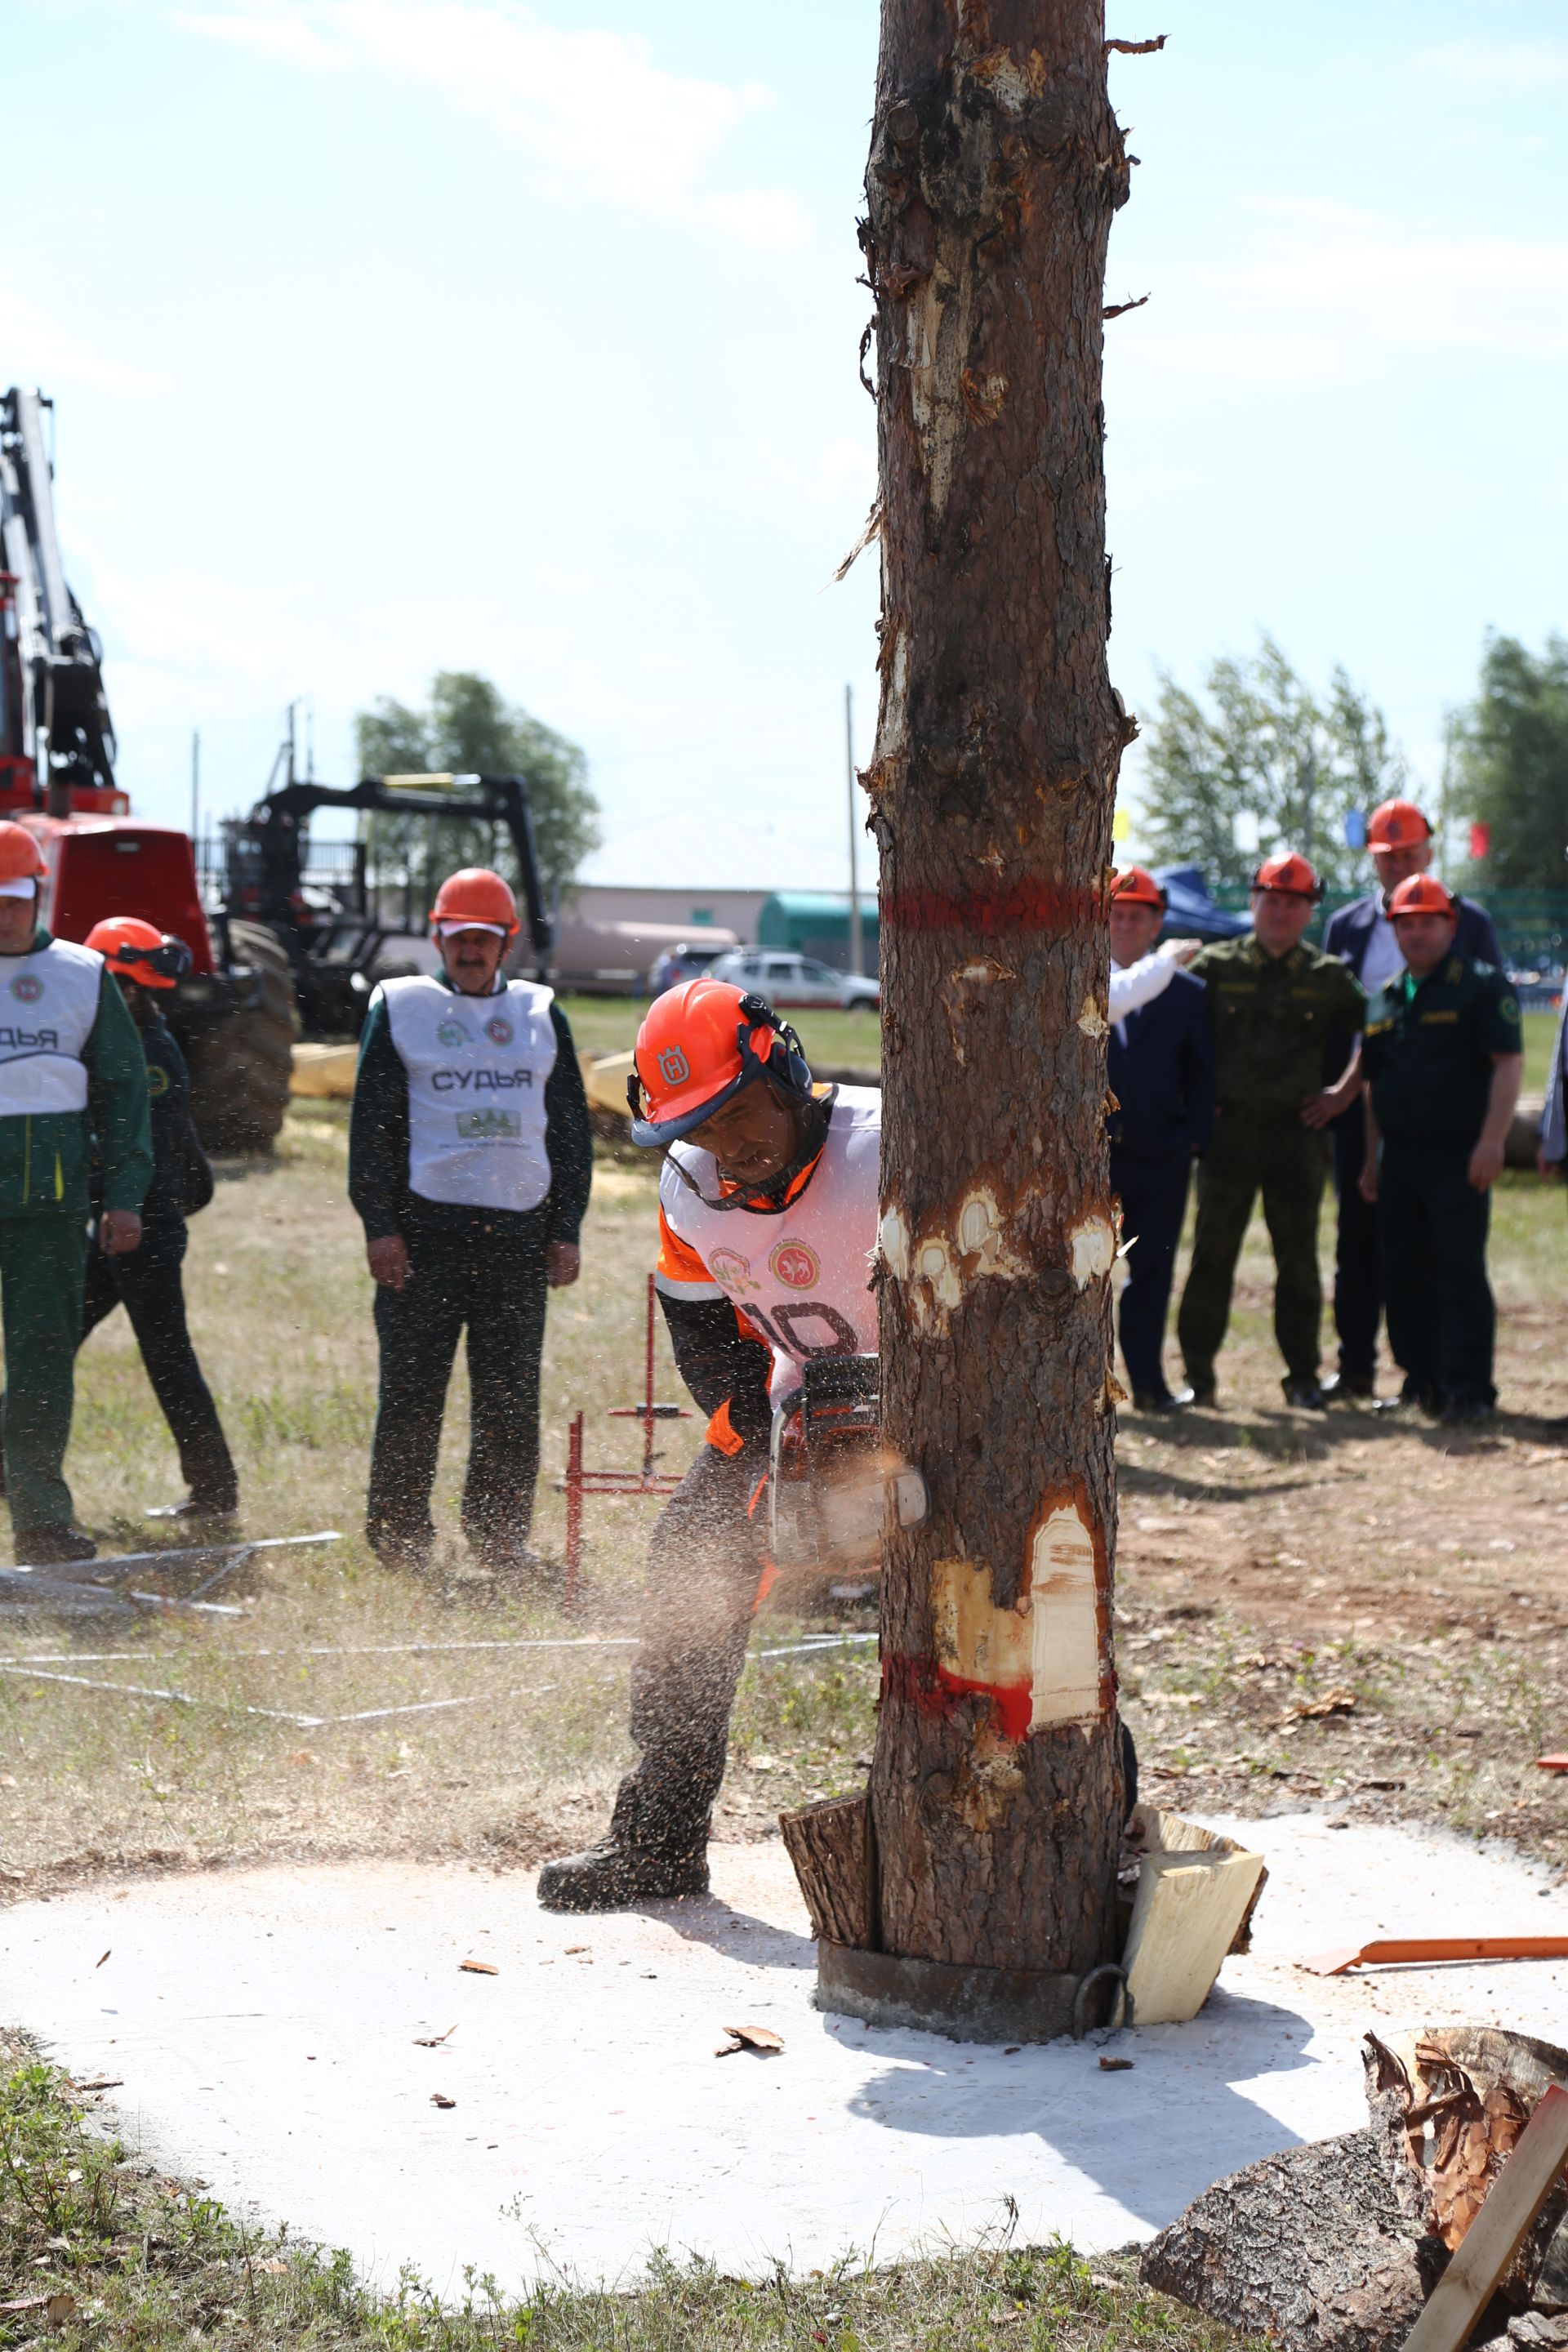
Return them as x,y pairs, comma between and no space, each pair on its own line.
768,1206
147,963
1443,1054
1399,843
72,1080
1278,1004
470,1159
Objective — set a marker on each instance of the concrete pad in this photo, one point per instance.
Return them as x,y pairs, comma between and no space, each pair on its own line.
266,2027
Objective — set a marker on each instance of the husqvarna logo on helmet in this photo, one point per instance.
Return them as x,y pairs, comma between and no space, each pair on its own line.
27,987
673,1066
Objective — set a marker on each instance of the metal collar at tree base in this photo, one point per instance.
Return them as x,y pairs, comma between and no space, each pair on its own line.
966,2004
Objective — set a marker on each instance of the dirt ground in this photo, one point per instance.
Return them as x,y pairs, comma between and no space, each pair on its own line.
1368,1612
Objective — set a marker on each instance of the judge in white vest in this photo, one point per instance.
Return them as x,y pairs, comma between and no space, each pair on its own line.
470,1159
72,1080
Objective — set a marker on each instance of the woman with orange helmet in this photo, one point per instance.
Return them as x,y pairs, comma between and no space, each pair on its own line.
470,1158
148,964
72,1080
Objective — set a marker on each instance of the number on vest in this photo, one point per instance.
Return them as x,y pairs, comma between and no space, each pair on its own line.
805,1310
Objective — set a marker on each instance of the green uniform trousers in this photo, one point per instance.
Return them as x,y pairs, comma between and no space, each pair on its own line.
1432,1229
42,1260
1274,1154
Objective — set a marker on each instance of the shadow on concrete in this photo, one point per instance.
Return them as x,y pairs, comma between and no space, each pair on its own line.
739,1935
1151,2138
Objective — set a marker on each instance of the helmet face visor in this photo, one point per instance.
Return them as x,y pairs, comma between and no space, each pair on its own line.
684,1117
158,967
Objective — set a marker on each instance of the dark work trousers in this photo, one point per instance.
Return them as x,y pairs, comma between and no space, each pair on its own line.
705,1557
488,1280
1154,1196
1358,1261
1251,1152
146,1282
1442,1322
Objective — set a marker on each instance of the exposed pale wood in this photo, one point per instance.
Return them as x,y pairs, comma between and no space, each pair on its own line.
1521,2188
829,1844
1186,1916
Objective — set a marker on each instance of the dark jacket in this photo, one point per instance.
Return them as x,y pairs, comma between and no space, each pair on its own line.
182,1180
1429,1048
378,1145
1160,1064
1348,932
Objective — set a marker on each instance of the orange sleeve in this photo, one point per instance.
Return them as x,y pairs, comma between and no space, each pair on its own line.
721,1433
680,1272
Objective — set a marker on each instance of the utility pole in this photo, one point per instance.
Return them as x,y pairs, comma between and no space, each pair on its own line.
195,787
996,1791
857,944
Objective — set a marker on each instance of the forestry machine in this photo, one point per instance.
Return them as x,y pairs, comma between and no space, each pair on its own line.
233,1010
281,952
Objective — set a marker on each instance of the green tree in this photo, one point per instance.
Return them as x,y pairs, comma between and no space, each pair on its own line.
469,729
1264,749
1510,763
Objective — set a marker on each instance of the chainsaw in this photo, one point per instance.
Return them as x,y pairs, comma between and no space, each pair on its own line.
831,1480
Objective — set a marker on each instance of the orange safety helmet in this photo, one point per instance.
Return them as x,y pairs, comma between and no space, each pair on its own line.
1422,894
699,1044
1290,872
1138,888
21,859
140,951
476,897
1396,825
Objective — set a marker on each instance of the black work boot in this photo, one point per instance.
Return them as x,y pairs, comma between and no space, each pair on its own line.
202,1510
54,1547
611,1877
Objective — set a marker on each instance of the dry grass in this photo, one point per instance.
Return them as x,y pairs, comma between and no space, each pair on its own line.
1421,1568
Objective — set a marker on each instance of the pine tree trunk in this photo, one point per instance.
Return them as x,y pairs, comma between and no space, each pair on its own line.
996,1790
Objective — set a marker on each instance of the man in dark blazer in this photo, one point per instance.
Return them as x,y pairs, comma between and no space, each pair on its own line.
1399,840
1160,1071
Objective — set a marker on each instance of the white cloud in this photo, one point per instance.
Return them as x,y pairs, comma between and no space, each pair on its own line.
40,351
601,118
1513,68
1331,293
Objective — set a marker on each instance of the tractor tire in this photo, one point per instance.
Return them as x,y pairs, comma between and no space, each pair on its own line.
240,1067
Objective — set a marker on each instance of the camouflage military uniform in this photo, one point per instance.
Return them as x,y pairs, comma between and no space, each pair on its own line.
1274,1019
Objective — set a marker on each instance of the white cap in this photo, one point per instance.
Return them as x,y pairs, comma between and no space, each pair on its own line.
445,931
25,886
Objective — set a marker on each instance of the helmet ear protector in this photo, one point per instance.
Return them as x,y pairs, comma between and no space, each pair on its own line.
790,1071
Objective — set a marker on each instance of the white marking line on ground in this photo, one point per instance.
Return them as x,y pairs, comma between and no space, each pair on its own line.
234,1706
398,1649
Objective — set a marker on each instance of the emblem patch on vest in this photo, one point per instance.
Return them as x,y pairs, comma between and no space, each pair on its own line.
499,1029
794,1265
673,1066
27,987
731,1271
490,1126
452,1033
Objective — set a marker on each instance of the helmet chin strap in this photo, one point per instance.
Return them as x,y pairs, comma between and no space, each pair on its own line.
771,1199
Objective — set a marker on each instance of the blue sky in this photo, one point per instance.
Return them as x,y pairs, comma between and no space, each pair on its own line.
390,335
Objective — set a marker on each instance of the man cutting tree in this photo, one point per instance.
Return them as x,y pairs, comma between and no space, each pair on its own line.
768,1210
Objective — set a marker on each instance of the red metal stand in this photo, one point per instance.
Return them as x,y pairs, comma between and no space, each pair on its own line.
580,1480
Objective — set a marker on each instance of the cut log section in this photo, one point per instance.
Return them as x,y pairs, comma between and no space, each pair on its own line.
1196,1894
831,1846
1529,2177
1308,2248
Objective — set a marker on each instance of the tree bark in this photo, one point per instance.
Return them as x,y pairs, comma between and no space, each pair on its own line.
995,166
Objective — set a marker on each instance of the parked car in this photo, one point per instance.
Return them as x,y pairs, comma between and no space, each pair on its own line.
685,960
786,980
